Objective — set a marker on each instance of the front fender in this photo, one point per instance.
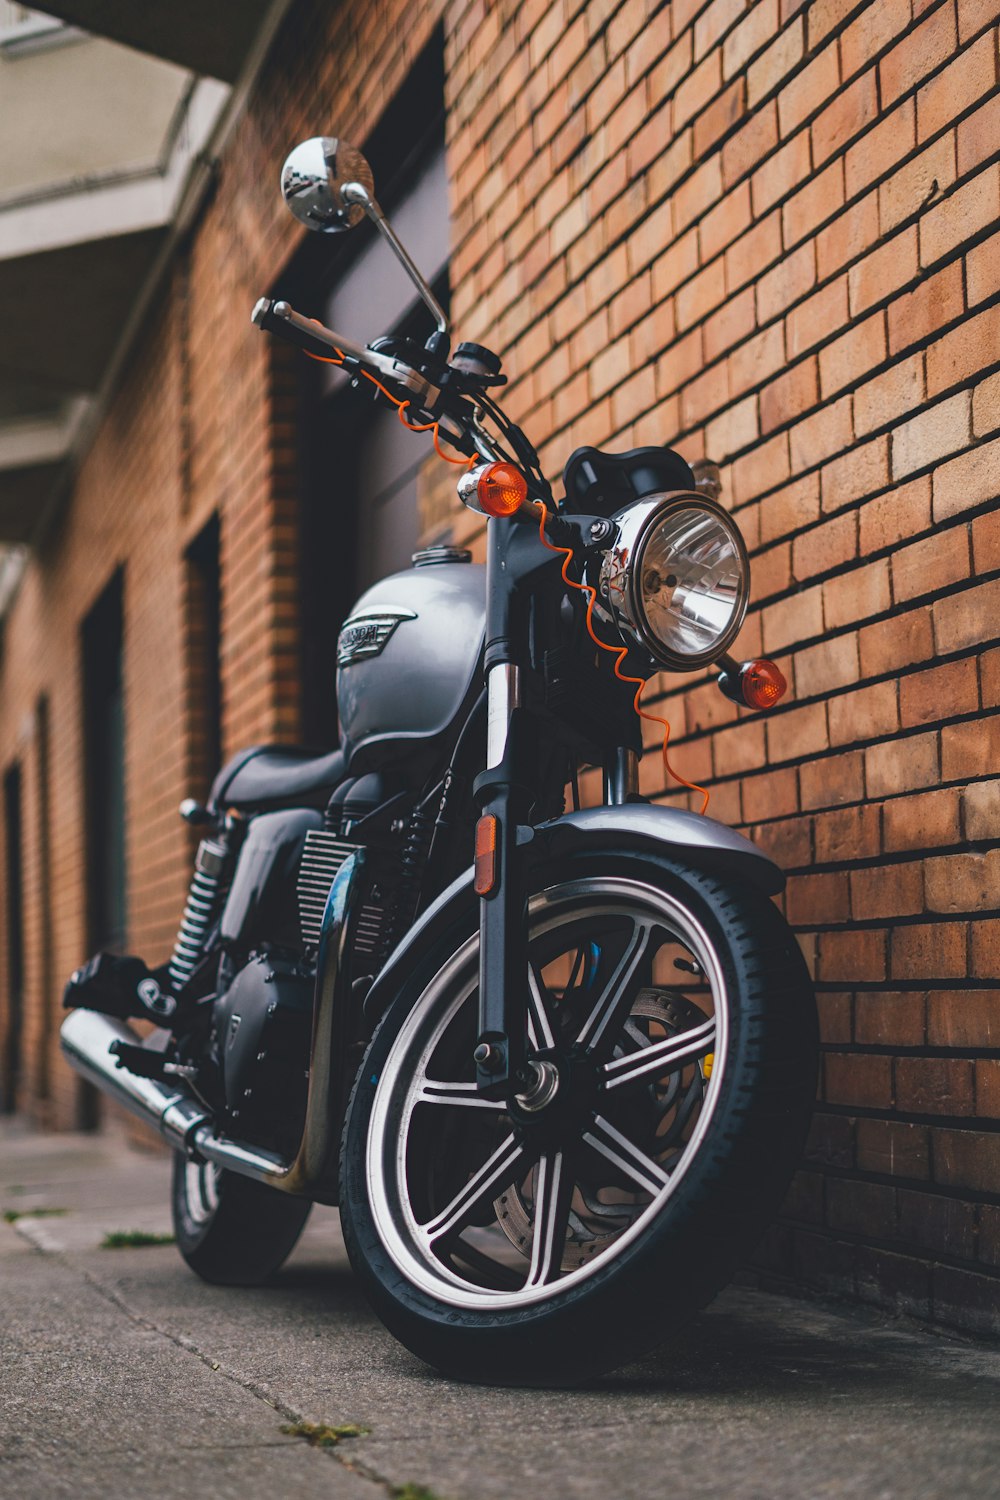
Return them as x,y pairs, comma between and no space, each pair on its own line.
702,842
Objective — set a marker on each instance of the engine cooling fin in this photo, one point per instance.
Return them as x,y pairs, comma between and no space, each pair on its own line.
322,858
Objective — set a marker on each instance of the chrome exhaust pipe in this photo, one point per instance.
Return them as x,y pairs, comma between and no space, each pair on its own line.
86,1039
182,1121
186,1124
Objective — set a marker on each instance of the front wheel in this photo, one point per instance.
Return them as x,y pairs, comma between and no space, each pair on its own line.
560,1232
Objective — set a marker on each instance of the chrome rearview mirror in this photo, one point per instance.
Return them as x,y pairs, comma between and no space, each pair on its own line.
328,185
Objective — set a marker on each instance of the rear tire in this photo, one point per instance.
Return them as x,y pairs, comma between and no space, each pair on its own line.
608,1294
231,1230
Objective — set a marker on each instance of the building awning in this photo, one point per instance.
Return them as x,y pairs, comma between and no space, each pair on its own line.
209,37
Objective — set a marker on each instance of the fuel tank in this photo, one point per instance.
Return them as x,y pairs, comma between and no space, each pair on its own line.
407,656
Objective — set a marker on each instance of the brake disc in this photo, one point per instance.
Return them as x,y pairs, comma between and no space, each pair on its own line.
675,1013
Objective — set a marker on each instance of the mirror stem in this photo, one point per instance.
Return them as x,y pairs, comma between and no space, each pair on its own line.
354,192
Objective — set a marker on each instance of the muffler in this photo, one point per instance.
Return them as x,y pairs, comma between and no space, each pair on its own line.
86,1039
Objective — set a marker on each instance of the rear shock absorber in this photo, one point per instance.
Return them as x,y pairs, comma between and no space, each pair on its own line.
204,899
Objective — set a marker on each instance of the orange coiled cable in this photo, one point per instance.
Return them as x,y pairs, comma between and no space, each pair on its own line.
400,406
619,653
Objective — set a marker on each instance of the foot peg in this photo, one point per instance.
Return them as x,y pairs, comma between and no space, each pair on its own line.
143,1061
121,987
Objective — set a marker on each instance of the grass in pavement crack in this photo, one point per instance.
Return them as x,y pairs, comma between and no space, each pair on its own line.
319,1435
133,1239
11,1215
413,1492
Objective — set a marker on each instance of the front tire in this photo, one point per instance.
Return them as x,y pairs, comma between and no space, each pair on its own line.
548,1238
231,1230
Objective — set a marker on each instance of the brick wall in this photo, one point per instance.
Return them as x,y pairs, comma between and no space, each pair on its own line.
764,232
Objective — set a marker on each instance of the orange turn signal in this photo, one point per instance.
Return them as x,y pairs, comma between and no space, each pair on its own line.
502,490
485,877
762,684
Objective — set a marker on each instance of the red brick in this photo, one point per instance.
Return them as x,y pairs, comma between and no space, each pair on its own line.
875,28
921,821
901,765
908,191
932,435
813,899
957,87
898,390
900,513
887,891
848,236
977,136
757,359
851,1204
928,950
959,356
814,203
942,1225
986,406
967,1158
832,663
834,780
825,547
818,437
938,693
800,732
878,151
746,39
967,481
751,144
981,810
883,272
734,321
884,1019
848,833
973,15
782,172
866,714
963,214
776,63
986,543
962,621
789,396
753,251
724,223
720,116
926,566
901,641
985,945
807,91
963,1018
918,54
963,882
982,270
893,1148
987,1088
930,306
971,749
852,109
856,474
853,1078
696,89
853,356
934,1085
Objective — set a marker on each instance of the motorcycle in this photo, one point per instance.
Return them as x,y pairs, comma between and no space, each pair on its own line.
554,1065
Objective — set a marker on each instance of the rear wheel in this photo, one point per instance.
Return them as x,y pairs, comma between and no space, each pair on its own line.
557,1233
229,1229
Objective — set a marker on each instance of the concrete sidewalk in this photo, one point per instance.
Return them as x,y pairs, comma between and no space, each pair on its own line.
121,1373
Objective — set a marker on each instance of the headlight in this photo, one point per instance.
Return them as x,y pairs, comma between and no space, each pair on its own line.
677,580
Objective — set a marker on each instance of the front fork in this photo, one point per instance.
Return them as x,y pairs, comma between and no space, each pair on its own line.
504,793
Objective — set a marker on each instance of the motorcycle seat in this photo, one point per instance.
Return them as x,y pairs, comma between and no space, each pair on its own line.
267,777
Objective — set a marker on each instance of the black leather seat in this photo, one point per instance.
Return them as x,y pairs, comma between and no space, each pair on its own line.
273,776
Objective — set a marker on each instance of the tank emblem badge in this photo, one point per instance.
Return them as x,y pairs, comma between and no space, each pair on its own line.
366,635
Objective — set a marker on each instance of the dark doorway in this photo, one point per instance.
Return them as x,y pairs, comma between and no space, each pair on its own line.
104,791
46,976
204,669
11,1077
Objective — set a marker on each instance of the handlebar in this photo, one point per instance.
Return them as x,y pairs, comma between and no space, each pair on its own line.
455,417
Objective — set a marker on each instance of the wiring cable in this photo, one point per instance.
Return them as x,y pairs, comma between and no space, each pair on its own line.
619,653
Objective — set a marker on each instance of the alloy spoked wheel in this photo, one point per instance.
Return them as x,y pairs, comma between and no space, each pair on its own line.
501,1204
548,1236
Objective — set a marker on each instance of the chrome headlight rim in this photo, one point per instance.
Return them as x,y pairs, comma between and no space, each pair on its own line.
621,573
